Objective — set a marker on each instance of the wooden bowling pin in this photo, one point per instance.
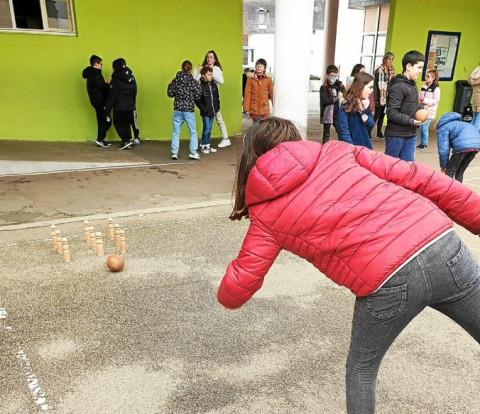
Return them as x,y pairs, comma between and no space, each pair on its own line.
59,242
86,227
54,235
123,246
117,234
66,250
99,244
93,241
111,229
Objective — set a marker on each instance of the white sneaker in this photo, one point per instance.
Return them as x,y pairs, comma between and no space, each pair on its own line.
174,156
201,147
194,155
225,142
204,149
211,149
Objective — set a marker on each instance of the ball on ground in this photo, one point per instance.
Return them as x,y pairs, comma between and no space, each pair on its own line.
115,262
421,115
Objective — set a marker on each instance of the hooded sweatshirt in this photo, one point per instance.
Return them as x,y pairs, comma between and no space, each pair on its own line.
97,88
122,93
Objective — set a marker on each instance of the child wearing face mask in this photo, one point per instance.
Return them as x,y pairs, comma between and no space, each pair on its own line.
330,92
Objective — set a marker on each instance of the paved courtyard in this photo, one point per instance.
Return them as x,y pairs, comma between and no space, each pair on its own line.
77,338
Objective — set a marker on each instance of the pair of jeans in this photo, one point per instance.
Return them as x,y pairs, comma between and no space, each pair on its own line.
424,132
403,148
476,120
444,276
207,129
178,118
458,163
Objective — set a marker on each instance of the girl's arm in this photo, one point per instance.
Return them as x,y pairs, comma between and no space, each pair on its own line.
457,201
342,125
245,274
218,75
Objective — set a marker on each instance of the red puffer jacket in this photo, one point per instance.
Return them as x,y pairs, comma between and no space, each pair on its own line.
356,214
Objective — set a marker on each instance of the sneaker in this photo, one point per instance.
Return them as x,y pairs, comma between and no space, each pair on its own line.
102,144
205,149
211,149
225,142
380,135
194,155
125,145
136,142
174,156
421,147
202,147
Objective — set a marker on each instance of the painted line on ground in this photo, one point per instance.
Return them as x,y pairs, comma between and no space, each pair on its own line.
113,167
103,216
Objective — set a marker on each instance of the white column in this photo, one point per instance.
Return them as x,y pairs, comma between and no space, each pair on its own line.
293,37
330,36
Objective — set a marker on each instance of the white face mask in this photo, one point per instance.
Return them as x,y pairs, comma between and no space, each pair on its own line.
332,79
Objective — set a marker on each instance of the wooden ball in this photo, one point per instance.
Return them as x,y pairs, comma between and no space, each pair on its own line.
115,262
421,115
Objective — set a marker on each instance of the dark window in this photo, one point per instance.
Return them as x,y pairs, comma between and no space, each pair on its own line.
28,14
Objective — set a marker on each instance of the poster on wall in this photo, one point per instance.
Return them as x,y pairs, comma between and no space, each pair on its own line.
441,54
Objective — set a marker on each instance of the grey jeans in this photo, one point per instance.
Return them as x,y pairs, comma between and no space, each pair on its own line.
445,276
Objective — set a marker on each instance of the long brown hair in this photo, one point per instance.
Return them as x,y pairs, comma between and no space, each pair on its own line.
217,62
354,94
436,76
259,139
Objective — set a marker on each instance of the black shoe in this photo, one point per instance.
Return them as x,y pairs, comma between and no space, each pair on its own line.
102,144
380,135
421,147
125,145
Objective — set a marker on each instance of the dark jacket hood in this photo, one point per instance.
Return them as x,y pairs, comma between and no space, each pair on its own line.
89,71
400,78
124,75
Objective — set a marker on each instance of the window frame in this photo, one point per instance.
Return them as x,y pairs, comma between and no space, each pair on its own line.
46,30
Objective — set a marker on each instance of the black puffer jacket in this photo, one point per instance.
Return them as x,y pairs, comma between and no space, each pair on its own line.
185,90
97,88
122,92
402,103
209,103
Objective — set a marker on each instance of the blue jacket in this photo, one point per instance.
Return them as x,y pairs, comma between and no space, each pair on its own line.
352,129
454,133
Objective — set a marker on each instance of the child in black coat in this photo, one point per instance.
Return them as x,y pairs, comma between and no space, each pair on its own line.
209,105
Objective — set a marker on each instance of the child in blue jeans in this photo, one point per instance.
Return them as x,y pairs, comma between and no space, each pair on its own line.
209,105
185,90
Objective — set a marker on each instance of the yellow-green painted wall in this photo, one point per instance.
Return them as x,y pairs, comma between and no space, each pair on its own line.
43,95
409,24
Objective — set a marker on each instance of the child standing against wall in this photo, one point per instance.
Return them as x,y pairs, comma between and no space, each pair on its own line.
186,91
209,105
429,99
330,92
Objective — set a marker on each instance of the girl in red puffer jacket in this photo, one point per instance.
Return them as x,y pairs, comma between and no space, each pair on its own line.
380,226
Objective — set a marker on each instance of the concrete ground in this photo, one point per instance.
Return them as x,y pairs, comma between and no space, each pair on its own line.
77,338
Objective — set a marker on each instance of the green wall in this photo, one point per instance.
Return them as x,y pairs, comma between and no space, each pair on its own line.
409,24
43,93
